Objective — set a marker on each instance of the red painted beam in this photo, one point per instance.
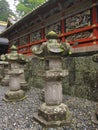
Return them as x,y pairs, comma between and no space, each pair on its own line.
83,40
23,46
37,42
79,30
85,44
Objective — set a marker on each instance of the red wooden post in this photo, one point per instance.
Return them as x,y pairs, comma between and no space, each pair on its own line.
43,33
18,44
63,29
94,23
28,43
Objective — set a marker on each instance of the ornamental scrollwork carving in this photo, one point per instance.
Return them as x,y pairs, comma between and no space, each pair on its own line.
78,21
78,36
56,27
35,36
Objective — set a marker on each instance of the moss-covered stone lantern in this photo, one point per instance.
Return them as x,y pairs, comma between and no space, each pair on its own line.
53,113
5,79
15,93
3,66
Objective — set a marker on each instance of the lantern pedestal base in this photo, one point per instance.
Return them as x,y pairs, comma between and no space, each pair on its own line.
53,116
12,96
94,119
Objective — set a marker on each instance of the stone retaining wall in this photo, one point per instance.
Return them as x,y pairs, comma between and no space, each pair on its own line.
32,71
82,80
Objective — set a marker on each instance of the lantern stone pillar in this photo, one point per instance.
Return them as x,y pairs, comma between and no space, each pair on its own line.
23,82
53,113
15,93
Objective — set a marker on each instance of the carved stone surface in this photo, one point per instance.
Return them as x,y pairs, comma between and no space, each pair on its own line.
56,74
54,116
53,113
56,112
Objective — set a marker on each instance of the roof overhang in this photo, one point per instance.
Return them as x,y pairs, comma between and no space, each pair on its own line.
34,12
21,21
4,41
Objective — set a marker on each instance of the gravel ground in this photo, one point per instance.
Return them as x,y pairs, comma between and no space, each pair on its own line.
19,115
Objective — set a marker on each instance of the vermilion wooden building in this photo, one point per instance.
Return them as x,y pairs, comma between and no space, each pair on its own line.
75,21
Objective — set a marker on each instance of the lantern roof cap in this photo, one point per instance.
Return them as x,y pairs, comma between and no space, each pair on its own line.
13,47
52,35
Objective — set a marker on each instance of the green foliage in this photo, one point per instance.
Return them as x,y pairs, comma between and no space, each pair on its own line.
4,10
25,6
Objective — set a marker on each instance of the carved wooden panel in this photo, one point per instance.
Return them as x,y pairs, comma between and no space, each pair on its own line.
77,36
52,11
77,21
14,43
23,40
56,27
35,36
23,49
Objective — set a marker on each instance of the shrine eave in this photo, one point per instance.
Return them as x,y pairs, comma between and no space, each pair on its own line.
42,12
4,41
35,12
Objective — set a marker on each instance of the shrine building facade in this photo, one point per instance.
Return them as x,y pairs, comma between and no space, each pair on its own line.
75,21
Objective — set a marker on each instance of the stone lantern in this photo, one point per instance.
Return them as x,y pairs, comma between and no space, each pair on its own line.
5,79
53,113
2,66
15,93
1,70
